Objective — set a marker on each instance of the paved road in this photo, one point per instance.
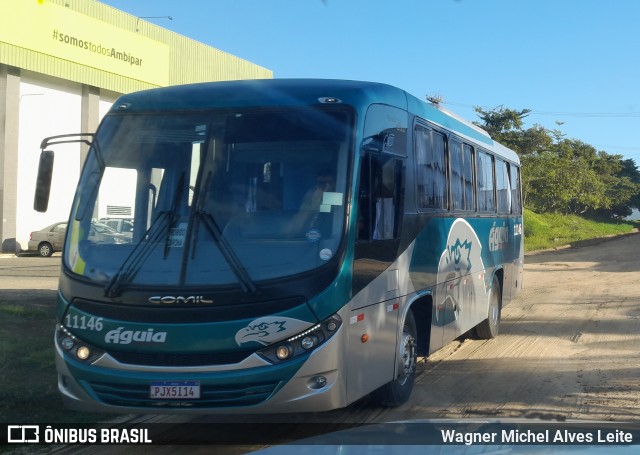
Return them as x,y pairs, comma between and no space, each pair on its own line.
29,279
569,347
29,272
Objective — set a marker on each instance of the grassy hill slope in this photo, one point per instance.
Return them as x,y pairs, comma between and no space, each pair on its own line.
551,230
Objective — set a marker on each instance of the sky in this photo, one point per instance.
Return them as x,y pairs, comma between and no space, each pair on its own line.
574,63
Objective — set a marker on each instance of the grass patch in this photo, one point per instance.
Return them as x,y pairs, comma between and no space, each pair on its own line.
28,378
551,230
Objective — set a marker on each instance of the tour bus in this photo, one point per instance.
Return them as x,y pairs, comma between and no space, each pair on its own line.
296,246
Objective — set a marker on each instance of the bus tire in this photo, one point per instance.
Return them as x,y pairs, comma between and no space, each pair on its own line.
398,391
490,327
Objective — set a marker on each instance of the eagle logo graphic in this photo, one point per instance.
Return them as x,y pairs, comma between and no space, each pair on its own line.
270,329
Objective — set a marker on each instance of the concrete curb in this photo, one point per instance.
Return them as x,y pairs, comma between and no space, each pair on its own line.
583,243
25,255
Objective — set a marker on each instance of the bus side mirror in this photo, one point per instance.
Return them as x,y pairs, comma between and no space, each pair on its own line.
372,144
43,182
378,143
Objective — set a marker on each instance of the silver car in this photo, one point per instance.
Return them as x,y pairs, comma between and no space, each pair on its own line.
120,225
102,233
48,240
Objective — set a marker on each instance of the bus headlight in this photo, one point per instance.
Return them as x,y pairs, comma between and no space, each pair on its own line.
283,352
332,325
309,342
67,343
302,343
83,353
76,348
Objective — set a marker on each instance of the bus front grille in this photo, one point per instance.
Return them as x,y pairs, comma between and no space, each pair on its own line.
180,360
137,395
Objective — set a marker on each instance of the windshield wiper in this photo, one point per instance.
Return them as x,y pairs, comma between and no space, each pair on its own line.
173,213
138,256
246,283
133,262
230,256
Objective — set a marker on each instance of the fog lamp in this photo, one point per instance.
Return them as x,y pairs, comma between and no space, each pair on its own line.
83,353
283,352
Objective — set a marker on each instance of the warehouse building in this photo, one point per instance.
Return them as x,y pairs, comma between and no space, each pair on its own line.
62,65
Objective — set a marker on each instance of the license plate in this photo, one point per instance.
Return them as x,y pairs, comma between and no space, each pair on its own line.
175,390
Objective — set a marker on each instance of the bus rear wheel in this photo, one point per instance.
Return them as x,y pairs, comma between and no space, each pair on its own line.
490,327
397,392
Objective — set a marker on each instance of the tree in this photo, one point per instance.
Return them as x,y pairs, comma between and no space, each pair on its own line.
622,180
503,125
506,127
631,171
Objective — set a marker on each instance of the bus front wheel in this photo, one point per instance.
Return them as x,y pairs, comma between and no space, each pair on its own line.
490,327
397,392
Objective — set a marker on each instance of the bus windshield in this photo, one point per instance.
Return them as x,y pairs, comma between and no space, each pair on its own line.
228,198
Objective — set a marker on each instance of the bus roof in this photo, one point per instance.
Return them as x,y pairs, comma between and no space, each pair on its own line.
262,92
300,92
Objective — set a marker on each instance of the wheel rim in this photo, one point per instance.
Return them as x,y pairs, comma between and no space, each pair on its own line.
494,309
408,356
44,250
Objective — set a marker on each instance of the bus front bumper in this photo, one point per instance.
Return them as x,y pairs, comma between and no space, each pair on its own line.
310,384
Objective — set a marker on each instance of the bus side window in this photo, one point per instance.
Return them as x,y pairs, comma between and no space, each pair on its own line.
457,175
431,169
486,197
515,190
469,183
503,188
379,215
379,198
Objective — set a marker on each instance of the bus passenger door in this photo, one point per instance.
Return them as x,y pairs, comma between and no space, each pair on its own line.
376,278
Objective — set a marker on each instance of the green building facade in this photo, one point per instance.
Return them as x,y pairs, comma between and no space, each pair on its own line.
62,65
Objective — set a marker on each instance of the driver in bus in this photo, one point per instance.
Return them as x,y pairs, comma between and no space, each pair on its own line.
313,199
310,206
